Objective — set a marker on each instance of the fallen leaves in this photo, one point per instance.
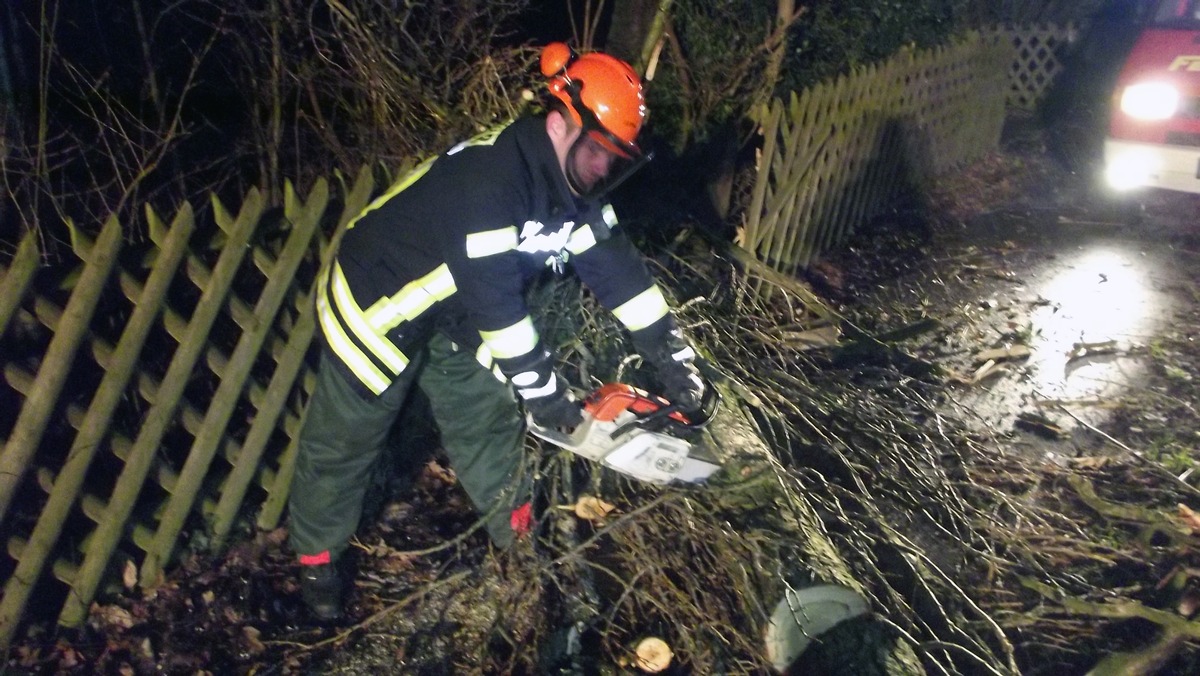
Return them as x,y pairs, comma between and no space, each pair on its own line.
445,475
251,639
110,617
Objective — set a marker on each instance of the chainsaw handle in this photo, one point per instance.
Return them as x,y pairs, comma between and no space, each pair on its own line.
653,417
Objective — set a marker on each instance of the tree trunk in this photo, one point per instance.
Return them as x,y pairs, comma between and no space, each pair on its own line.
861,646
636,28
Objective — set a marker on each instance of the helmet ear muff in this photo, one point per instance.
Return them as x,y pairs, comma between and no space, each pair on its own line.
555,58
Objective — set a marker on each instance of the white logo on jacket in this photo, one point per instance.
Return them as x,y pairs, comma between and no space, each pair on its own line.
534,240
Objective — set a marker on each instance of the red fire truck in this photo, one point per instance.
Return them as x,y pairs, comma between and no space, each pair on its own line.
1154,129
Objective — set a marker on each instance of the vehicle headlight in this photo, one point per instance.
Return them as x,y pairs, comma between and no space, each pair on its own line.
1150,100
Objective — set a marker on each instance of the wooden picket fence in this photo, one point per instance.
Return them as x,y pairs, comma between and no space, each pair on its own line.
209,357
835,155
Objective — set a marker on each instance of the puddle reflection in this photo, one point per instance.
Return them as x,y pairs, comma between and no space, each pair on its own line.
1098,294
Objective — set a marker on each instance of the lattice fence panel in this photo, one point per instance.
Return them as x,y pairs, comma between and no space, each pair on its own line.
156,392
834,155
1039,52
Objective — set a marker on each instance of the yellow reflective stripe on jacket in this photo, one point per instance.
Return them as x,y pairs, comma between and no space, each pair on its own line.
412,300
484,356
395,189
345,349
643,309
486,138
513,341
581,240
492,242
381,347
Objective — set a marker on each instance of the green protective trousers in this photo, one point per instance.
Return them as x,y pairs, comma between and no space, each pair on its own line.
344,433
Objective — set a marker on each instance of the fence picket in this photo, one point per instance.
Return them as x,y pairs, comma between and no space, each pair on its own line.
834,159
278,391
36,410
17,278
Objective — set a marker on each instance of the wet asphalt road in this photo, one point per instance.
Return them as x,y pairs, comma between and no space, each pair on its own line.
1079,288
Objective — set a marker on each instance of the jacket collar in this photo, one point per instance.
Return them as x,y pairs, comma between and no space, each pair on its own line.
538,150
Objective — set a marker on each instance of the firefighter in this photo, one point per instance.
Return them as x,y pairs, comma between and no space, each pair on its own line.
428,290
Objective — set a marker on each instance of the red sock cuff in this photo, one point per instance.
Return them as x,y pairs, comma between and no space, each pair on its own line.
314,559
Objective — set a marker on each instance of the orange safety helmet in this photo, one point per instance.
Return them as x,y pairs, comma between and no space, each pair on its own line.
602,93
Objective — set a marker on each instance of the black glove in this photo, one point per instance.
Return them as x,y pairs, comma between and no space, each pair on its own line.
682,384
557,410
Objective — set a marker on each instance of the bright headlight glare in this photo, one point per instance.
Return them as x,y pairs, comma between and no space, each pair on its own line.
1150,100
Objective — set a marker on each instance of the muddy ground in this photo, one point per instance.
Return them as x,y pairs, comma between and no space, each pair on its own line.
1064,320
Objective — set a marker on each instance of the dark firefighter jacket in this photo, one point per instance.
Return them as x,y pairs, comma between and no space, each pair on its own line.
452,247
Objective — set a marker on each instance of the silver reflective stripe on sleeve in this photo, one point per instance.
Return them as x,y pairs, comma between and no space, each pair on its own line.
525,378
492,242
643,309
581,240
686,354
513,341
411,301
609,215
546,390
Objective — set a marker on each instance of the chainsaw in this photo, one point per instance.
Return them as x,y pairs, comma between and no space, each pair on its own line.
638,434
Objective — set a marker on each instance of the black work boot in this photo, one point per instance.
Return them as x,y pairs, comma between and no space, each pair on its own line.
321,589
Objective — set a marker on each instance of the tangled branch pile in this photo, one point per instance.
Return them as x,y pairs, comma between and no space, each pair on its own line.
978,560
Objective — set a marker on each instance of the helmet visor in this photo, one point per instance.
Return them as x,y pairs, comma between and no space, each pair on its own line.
595,166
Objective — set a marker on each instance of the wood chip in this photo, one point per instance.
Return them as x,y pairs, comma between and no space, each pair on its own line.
1003,353
592,508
